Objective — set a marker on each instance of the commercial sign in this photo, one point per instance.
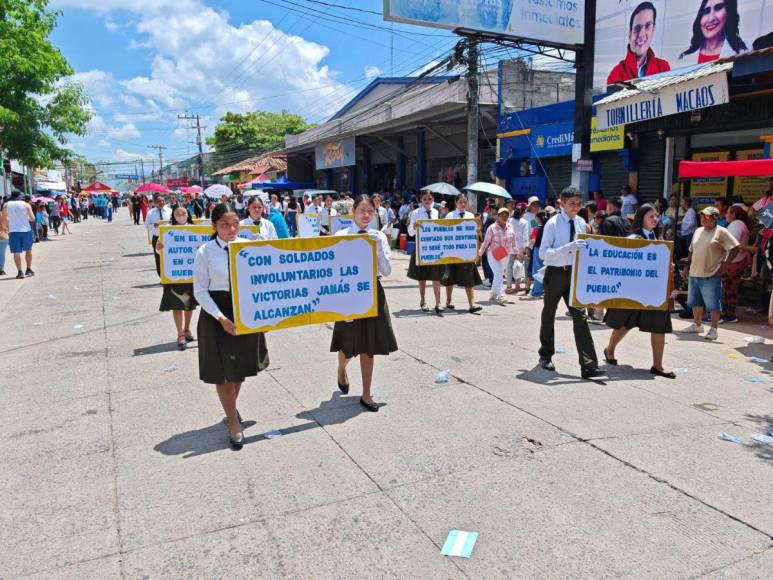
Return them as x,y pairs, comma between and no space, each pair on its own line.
640,38
622,273
682,97
750,188
294,282
558,22
556,140
710,187
336,153
176,183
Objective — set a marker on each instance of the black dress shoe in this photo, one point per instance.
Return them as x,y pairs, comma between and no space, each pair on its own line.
20,275
450,307
236,442
609,361
438,311
372,407
343,387
29,272
547,364
669,375
475,309
591,373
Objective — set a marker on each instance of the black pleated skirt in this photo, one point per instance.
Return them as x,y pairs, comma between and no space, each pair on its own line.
416,272
177,297
655,321
224,358
464,275
370,336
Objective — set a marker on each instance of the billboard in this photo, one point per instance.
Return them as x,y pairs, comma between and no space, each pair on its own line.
637,38
559,22
336,153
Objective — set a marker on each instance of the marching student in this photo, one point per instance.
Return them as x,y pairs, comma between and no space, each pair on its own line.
158,215
225,359
365,337
255,209
424,273
179,297
557,249
656,322
464,275
498,242
324,214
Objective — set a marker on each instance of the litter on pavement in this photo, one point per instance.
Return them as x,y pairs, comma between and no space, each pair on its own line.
171,368
459,543
733,355
753,379
443,376
680,370
272,434
39,323
763,438
51,297
77,327
754,339
560,351
727,437
758,359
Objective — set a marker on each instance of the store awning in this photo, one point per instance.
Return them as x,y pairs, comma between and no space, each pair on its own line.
752,168
670,93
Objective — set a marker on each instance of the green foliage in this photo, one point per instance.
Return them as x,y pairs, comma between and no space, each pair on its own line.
38,108
254,133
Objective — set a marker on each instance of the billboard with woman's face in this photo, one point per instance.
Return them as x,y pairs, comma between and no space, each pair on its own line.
637,38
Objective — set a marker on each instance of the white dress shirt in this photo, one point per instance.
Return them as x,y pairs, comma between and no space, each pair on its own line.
210,272
522,230
156,215
383,217
267,231
323,218
555,237
420,214
689,222
459,214
383,253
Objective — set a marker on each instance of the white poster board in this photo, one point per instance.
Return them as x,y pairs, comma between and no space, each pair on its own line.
340,222
308,227
449,241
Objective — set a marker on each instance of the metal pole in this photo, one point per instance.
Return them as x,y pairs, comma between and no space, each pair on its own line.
142,168
201,151
472,118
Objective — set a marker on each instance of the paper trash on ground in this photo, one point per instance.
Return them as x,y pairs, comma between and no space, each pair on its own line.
727,437
459,543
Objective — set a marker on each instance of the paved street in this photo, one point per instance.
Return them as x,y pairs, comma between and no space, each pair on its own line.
115,467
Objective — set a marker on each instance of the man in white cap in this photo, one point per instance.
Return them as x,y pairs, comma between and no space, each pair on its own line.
533,206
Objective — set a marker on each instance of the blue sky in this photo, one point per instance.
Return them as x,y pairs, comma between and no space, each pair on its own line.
145,61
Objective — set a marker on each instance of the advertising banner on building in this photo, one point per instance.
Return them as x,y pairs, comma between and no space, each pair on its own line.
294,282
622,273
710,187
335,153
750,188
556,140
692,95
640,38
558,22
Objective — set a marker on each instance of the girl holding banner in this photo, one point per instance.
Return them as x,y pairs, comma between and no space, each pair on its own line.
255,209
464,275
365,337
656,322
179,297
424,273
225,359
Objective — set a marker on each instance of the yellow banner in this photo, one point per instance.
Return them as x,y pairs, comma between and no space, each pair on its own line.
750,188
292,282
709,186
609,139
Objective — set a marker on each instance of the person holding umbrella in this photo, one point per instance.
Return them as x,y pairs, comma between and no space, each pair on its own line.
424,273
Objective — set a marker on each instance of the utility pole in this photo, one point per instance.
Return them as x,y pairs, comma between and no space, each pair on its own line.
472,118
160,161
142,168
197,118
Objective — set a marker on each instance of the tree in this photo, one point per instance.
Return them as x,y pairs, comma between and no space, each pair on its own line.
38,106
254,133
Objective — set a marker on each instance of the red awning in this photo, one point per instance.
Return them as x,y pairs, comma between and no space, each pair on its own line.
753,168
97,186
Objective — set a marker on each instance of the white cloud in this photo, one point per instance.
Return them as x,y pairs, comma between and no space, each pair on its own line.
372,71
111,25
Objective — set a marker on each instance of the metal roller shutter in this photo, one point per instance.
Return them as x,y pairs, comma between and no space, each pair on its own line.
613,173
559,172
652,152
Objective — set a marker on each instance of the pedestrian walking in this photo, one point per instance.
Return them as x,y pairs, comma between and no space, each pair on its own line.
537,289
136,205
739,225
711,250
464,275
424,273
144,207
160,214
559,244
20,234
256,209
366,337
646,226
498,244
65,215
3,236
225,359
178,298
515,271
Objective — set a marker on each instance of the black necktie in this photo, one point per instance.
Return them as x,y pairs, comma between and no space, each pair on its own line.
363,232
257,223
571,230
429,214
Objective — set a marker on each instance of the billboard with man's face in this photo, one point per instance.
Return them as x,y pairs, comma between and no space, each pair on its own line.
636,39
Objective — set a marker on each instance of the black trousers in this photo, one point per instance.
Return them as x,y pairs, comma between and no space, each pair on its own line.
154,240
558,284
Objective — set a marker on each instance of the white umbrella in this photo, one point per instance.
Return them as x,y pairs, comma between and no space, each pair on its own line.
217,191
489,188
442,188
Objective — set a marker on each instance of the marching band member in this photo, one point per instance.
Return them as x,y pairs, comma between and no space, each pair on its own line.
225,359
365,337
464,275
424,273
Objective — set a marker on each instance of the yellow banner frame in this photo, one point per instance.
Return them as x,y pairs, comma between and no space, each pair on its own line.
204,229
300,245
625,243
447,222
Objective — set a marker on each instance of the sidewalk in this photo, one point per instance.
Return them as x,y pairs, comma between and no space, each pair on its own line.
115,467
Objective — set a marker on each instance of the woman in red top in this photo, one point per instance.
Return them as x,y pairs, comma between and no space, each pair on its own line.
64,213
144,207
